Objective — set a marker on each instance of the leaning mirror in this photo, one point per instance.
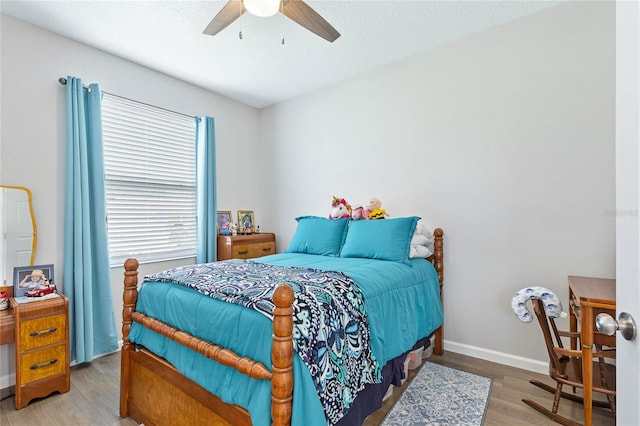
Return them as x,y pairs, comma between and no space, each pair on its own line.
18,230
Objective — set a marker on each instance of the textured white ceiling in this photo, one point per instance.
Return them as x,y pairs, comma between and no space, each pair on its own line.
259,70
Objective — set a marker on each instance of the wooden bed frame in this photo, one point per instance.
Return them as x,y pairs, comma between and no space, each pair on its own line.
153,392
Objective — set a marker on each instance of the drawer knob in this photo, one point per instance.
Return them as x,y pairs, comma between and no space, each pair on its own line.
266,249
41,332
44,364
243,252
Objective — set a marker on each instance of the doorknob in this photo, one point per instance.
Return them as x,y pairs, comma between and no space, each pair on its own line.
626,324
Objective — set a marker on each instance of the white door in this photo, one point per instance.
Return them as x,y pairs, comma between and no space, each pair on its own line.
627,205
18,230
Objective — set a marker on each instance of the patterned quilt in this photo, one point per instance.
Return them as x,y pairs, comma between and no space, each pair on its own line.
331,331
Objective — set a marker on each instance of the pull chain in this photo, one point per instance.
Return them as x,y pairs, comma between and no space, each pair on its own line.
282,21
239,16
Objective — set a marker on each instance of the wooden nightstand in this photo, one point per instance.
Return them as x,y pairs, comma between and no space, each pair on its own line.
42,348
246,246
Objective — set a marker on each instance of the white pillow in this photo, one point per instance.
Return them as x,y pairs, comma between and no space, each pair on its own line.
420,240
419,252
423,229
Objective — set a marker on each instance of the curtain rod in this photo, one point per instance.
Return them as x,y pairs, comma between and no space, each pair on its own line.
63,81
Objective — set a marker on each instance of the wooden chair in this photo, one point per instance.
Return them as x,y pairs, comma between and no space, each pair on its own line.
565,368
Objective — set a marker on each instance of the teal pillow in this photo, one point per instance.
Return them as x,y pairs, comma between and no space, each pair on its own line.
383,239
318,235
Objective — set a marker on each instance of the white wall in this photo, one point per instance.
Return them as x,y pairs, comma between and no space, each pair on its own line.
505,139
33,131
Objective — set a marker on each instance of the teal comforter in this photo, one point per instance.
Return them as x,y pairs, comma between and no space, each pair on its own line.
402,302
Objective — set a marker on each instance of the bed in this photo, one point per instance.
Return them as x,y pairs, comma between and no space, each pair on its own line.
225,363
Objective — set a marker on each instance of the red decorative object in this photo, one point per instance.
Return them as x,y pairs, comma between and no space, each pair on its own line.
41,291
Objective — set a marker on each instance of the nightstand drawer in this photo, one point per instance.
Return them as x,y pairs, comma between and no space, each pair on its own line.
42,363
240,251
42,332
262,249
249,251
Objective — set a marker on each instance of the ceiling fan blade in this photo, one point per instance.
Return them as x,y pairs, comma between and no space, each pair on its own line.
229,13
301,13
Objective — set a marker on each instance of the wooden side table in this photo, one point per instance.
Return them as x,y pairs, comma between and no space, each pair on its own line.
246,246
587,298
6,320
42,348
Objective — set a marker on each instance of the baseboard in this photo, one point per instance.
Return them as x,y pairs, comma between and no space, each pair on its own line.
6,392
7,382
529,364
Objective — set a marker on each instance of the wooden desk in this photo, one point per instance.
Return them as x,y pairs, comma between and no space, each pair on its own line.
587,298
6,320
6,326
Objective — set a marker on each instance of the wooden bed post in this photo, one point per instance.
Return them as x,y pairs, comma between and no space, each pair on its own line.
129,298
282,356
439,265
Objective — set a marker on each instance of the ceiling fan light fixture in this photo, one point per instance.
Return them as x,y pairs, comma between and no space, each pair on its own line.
296,10
262,8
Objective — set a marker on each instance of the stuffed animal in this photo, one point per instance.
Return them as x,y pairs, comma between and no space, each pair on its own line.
357,212
373,204
377,214
339,208
374,210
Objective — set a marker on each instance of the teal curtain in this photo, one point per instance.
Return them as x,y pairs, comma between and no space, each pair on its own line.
206,189
86,275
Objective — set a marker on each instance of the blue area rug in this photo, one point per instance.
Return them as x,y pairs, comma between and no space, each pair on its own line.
440,396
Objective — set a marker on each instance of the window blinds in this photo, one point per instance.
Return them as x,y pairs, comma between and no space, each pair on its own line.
150,179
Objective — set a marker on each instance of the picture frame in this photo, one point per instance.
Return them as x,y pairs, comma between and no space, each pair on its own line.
223,222
22,278
246,221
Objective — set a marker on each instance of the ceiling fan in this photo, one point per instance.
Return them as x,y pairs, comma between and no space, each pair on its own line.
296,10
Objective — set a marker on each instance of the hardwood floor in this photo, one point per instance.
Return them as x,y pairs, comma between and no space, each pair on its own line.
94,398
510,385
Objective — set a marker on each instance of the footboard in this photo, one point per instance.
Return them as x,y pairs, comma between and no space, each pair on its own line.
152,391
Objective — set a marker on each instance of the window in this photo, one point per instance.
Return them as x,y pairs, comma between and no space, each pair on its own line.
150,180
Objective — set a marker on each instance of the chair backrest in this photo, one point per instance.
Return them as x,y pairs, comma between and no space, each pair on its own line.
551,337
566,368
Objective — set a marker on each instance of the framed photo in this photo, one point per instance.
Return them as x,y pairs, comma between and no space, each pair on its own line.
246,222
223,222
28,277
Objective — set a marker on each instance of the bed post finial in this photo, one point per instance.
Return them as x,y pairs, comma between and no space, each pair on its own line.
129,298
282,356
438,254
